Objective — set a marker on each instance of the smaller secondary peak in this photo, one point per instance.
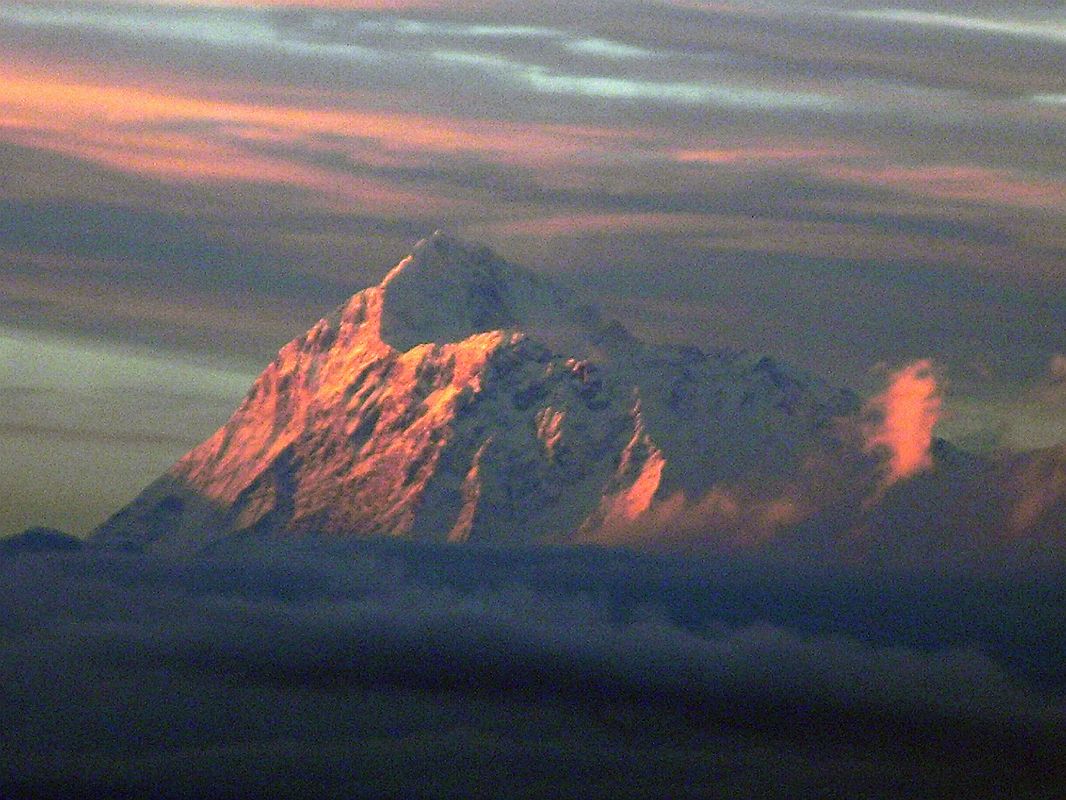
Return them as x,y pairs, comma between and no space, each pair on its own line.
40,540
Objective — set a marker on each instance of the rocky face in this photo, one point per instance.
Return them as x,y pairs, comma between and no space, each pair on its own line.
466,399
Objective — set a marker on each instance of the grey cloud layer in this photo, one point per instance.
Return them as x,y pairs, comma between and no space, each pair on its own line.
344,652
726,57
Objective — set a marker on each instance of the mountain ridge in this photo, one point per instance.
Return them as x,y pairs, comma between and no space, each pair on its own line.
464,398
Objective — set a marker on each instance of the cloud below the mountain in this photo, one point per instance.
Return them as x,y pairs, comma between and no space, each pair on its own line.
318,656
1053,390
722,519
1039,488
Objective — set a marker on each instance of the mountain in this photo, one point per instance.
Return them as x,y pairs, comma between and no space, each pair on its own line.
39,540
467,399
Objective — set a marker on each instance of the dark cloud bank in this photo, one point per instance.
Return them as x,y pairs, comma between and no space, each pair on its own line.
398,670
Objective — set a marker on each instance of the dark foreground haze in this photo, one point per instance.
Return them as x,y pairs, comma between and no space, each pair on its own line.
382,669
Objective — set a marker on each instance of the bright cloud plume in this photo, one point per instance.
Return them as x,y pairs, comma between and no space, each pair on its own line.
909,410
1057,368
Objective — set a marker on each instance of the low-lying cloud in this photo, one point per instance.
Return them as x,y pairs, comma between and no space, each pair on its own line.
724,518
1053,390
304,668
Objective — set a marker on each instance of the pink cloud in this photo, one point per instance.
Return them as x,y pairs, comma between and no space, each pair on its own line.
908,410
1057,369
718,154
726,518
961,182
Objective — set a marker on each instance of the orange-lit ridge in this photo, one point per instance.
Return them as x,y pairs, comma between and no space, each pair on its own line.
440,404
466,399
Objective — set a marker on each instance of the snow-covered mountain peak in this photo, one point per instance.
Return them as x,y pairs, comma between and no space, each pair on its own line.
448,290
468,399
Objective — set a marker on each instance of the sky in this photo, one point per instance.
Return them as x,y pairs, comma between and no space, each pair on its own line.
184,186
